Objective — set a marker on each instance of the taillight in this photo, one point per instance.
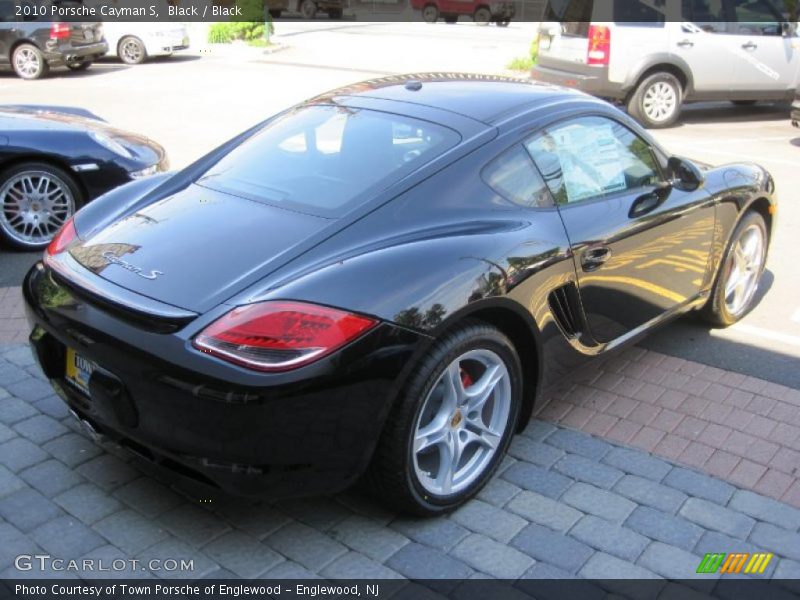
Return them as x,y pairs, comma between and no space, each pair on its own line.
59,31
65,236
599,52
281,335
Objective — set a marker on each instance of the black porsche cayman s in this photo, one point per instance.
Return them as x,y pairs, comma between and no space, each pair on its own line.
55,159
381,281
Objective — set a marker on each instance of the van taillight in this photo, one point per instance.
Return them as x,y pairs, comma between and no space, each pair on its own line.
599,45
59,31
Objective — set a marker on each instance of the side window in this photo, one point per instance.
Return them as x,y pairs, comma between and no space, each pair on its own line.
648,13
7,10
708,15
755,17
592,157
513,176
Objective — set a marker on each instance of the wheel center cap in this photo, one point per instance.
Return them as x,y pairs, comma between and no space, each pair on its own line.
456,420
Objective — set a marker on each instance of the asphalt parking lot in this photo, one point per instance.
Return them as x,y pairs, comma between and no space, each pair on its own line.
685,445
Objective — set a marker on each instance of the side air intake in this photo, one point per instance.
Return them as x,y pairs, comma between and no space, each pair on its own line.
564,306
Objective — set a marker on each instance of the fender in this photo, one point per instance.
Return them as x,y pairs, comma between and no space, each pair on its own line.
654,60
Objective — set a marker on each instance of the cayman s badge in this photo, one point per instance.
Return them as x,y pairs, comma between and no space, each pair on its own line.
113,259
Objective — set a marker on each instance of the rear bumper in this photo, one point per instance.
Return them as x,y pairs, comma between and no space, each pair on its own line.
589,79
66,53
291,434
166,45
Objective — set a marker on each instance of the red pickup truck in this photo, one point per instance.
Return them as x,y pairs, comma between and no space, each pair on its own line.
482,11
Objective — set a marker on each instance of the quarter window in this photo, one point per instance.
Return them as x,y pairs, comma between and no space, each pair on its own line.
513,176
592,157
755,17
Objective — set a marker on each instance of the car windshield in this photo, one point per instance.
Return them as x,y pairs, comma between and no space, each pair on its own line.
324,159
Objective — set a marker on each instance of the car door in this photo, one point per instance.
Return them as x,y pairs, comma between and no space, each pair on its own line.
7,28
768,58
699,40
641,247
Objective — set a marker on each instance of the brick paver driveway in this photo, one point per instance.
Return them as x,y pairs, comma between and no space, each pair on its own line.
564,504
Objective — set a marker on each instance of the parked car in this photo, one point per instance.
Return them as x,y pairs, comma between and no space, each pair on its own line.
796,109
31,45
655,60
482,11
55,159
134,42
308,9
383,280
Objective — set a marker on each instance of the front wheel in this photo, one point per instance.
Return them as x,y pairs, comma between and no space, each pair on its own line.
451,426
739,273
36,199
430,14
29,62
656,103
308,9
482,16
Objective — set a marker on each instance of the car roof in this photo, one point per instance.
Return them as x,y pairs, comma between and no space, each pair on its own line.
484,98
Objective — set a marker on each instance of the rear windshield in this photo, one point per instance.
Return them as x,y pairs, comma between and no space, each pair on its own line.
324,159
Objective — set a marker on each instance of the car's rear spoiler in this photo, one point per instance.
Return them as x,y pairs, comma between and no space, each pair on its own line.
47,108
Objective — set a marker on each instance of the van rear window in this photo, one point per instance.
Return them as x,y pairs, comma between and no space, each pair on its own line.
574,15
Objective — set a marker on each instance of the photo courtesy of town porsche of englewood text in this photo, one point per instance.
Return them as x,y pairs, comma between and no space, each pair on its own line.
399,299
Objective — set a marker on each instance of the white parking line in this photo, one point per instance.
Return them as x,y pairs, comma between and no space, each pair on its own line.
774,336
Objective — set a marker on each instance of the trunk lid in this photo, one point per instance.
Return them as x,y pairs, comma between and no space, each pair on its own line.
197,247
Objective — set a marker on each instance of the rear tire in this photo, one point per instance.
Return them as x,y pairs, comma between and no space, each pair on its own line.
438,416
430,14
743,262
656,103
28,62
131,50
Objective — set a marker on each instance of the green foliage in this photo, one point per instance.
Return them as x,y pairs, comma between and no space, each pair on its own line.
225,33
525,63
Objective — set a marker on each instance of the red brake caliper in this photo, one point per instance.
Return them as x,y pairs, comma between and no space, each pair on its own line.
466,380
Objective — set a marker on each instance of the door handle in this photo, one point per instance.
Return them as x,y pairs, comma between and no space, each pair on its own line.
644,204
594,257
685,44
750,46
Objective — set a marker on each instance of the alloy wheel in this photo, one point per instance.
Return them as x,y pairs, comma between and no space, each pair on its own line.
27,62
132,51
744,270
33,206
462,422
660,101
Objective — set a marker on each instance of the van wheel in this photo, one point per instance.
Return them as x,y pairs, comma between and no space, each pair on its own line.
657,101
451,424
482,16
430,14
308,9
29,62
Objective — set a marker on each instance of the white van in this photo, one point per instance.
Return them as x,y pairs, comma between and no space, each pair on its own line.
654,55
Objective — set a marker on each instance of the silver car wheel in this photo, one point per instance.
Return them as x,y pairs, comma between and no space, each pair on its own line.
660,101
33,206
744,270
131,51
27,62
462,422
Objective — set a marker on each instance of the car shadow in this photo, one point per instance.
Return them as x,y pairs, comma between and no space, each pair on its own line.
62,72
112,61
795,142
725,112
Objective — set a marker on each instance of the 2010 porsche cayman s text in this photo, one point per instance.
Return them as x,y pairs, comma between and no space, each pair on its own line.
381,281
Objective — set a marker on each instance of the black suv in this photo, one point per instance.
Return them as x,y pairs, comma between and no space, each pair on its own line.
32,43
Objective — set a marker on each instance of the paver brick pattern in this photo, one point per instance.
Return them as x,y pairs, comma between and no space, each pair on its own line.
563,504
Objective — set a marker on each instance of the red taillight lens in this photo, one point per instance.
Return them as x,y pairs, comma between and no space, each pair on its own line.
65,236
59,31
599,45
278,336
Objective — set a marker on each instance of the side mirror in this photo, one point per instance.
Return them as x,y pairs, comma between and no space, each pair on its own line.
685,175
